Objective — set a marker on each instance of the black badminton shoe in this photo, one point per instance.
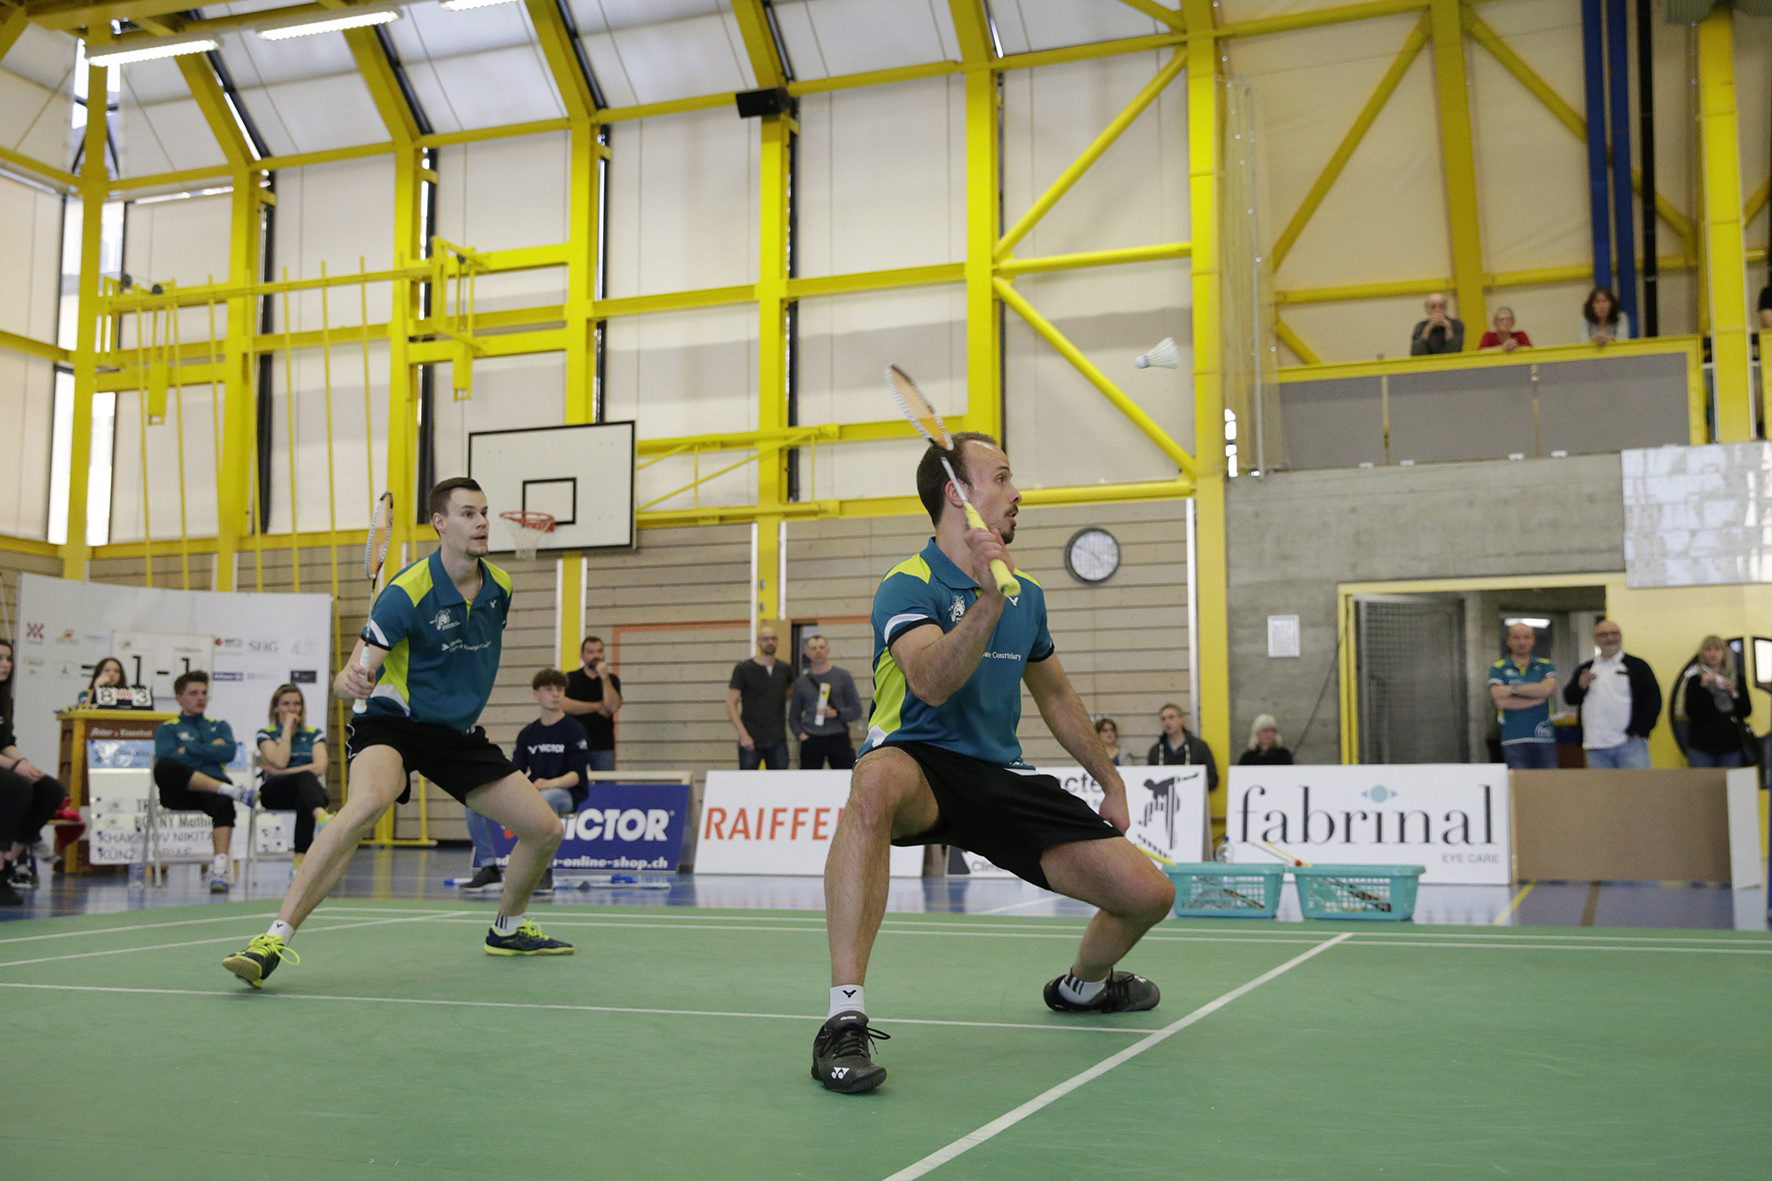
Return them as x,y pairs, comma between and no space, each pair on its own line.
842,1058
1123,993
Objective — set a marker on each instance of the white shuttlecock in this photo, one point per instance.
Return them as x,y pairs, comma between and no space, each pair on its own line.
1163,356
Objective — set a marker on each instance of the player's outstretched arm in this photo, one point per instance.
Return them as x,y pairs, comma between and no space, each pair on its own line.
1069,722
353,680
935,664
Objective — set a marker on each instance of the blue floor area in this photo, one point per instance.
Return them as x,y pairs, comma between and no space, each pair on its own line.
420,874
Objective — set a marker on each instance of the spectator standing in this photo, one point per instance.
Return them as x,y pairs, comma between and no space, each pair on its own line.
825,703
1177,746
28,797
1108,731
593,696
1264,748
1441,332
294,758
1716,705
1521,686
1620,702
191,757
1503,336
756,704
1601,321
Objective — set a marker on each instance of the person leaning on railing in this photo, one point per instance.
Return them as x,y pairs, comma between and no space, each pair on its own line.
1441,332
1503,336
1601,321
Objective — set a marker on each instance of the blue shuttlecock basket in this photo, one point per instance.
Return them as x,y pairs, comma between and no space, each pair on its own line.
1385,893
1219,889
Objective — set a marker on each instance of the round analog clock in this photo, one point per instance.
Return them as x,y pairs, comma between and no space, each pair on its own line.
1092,555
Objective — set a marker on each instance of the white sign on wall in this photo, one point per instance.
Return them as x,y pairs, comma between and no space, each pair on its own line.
1167,806
1452,818
777,822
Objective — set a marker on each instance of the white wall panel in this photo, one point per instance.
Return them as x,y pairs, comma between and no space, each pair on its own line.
491,88
847,341
504,195
183,242
509,393
168,136
684,373
355,491
26,404
683,203
882,177
198,435
313,114
1024,25
34,118
30,242
336,214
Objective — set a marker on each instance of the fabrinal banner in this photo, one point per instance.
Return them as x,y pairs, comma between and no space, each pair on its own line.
1452,818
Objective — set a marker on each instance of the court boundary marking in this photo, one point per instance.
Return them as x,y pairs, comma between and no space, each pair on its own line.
1051,1095
342,926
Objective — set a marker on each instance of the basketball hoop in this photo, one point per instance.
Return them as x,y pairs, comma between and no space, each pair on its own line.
529,529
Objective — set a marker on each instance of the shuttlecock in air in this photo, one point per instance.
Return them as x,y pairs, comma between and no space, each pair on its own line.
1164,355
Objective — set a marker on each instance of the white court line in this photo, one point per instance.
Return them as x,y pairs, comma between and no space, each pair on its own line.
86,955
1002,1123
1637,948
1017,905
326,912
954,931
619,1009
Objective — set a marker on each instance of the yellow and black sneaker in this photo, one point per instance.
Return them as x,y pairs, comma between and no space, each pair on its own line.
527,941
260,959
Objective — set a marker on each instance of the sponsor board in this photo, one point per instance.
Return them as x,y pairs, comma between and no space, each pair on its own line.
777,822
1167,806
620,826
1452,818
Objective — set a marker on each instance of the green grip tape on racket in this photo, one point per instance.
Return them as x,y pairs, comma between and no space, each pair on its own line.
1007,583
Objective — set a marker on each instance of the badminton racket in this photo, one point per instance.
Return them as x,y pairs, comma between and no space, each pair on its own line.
375,554
928,423
1378,903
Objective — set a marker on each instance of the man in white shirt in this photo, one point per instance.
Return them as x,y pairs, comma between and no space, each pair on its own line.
1620,703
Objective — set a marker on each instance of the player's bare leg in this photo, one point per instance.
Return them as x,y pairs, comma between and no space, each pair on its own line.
1134,896
514,803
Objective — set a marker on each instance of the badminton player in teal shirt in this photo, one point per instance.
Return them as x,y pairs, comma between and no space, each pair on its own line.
425,664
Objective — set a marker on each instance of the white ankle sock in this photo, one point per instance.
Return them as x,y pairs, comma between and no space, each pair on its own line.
847,998
282,930
1080,992
507,924
237,793
218,865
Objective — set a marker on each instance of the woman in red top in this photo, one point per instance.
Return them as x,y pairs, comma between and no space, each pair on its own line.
1503,336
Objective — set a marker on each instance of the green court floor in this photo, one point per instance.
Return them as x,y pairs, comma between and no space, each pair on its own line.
676,1044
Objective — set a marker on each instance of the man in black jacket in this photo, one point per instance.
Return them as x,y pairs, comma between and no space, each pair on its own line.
1177,746
1620,703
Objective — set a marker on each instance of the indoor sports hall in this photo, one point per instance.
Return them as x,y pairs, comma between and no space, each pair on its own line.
1353,408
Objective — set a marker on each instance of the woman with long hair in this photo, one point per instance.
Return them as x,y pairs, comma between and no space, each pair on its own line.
1601,321
28,796
1716,705
1108,731
1264,748
293,755
105,674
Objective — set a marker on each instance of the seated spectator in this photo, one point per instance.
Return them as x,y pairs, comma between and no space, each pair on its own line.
1178,747
295,760
105,674
1441,332
191,757
28,797
1716,704
554,751
1108,731
1601,321
1264,745
1503,336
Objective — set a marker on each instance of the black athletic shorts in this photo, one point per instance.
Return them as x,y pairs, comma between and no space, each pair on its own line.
996,813
456,761
177,795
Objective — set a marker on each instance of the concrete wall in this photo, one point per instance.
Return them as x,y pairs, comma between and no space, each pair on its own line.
1295,535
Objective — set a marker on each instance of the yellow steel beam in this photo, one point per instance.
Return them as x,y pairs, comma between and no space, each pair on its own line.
1317,18
384,88
1161,252
1082,364
29,545
206,90
561,57
1109,134
677,301
1293,341
1725,265
927,276
972,28
1211,591
471,135
772,359
889,77
1344,151
1157,12
1688,346
93,184
31,167
984,336
33,348
12,24
1462,213
759,43
1565,114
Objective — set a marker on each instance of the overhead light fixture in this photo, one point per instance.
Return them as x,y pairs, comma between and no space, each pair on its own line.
335,21
147,51
465,5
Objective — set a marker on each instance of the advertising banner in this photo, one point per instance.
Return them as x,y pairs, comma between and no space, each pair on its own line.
777,822
621,827
1452,818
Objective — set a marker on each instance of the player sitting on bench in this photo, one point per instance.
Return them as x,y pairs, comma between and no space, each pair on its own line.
191,756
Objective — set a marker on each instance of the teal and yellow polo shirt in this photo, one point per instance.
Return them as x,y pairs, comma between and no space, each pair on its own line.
442,651
1524,725
981,719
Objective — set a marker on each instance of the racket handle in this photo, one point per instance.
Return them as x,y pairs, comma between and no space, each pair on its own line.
362,703
1007,583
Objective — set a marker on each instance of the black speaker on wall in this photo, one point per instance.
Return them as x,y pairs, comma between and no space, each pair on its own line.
753,104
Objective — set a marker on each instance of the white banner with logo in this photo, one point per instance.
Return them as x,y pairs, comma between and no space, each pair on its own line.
1167,807
777,822
1452,818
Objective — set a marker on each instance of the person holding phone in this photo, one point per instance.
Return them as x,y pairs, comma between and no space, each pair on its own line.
1619,700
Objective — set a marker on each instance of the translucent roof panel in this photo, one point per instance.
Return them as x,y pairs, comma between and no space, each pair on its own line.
41,56
153,81
314,115
1026,26
828,38
253,61
658,51
36,92
163,137
478,68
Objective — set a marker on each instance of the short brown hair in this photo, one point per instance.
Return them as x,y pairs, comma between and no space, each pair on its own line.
439,498
195,677
546,677
932,478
